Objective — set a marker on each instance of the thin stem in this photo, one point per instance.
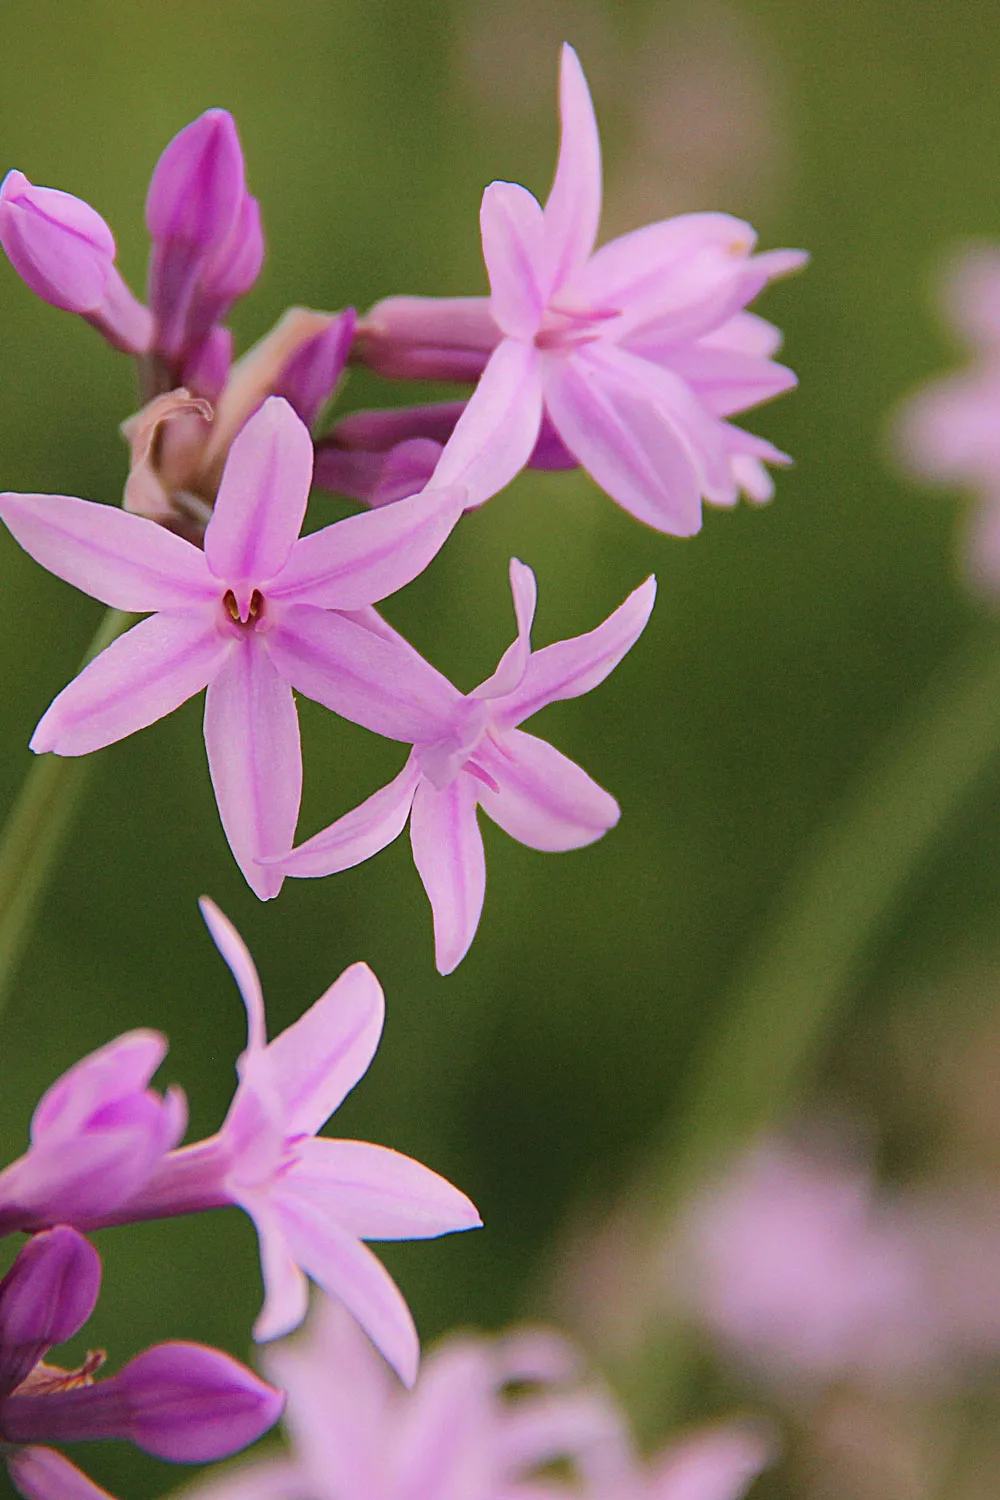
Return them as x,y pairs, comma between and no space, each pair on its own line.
36,828
769,1034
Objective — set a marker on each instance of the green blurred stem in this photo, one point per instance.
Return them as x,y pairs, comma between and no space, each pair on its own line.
36,828
768,1035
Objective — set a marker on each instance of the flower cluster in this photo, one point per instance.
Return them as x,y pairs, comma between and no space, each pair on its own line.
629,361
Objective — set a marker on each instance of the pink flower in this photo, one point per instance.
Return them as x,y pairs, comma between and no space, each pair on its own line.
259,612
949,432
312,1200
473,756
459,1435
636,353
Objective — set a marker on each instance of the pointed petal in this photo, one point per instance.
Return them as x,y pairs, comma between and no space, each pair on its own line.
382,684
378,1194
573,207
626,445
102,1078
515,659
255,757
365,558
359,834
236,956
570,668
495,435
446,1437
515,253
727,382
307,380
286,1291
43,1474
315,1062
448,854
717,1463
123,560
545,799
147,673
347,1269
262,497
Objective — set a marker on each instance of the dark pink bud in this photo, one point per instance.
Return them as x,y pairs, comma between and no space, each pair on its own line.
377,478
58,245
308,379
45,1298
428,338
197,188
181,1402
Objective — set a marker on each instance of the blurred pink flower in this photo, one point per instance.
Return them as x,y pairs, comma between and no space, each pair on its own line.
949,432
474,756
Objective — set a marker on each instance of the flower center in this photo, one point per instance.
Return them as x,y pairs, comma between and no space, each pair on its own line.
254,609
566,327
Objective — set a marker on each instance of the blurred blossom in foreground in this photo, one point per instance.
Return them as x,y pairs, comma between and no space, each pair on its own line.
488,1419
949,432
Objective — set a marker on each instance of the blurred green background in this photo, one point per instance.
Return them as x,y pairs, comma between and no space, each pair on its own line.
785,643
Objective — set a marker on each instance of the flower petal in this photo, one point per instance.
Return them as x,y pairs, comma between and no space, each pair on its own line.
45,1298
573,207
44,1474
496,433
315,1062
569,668
359,834
515,659
367,557
378,1194
123,560
347,1269
255,757
448,854
236,956
718,1463
147,673
286,1291
545,800
514,249
262,497
626,445
382,684
726,382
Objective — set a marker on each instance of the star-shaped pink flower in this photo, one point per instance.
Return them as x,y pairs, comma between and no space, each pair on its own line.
636,352
476,756
259,612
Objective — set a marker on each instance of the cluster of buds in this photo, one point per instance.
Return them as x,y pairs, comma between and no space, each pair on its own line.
628,361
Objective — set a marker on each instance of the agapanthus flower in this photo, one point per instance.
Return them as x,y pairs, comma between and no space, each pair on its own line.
182,1402
470,754
636,353
949,432
312,1200
459,1435
259,611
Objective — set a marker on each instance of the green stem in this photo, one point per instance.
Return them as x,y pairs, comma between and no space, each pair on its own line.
35,829
769,1034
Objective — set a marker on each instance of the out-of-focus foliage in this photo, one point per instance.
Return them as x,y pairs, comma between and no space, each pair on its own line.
784,644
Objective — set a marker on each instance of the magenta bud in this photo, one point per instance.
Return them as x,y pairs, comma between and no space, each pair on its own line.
197,188
182,1402
44,1474
309,378
207,368
45,1298
377,479
428,338
236,264
58,245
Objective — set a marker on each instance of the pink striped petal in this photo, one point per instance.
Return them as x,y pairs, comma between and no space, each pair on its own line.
147,673
448,854
515,659
626,445
236,955
573,207
569,668
496,433
545,800
313,1065
255,757
123,560
367,557
262,497
359,834
515,253
286,1291
382,684
378,1194
347,1269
